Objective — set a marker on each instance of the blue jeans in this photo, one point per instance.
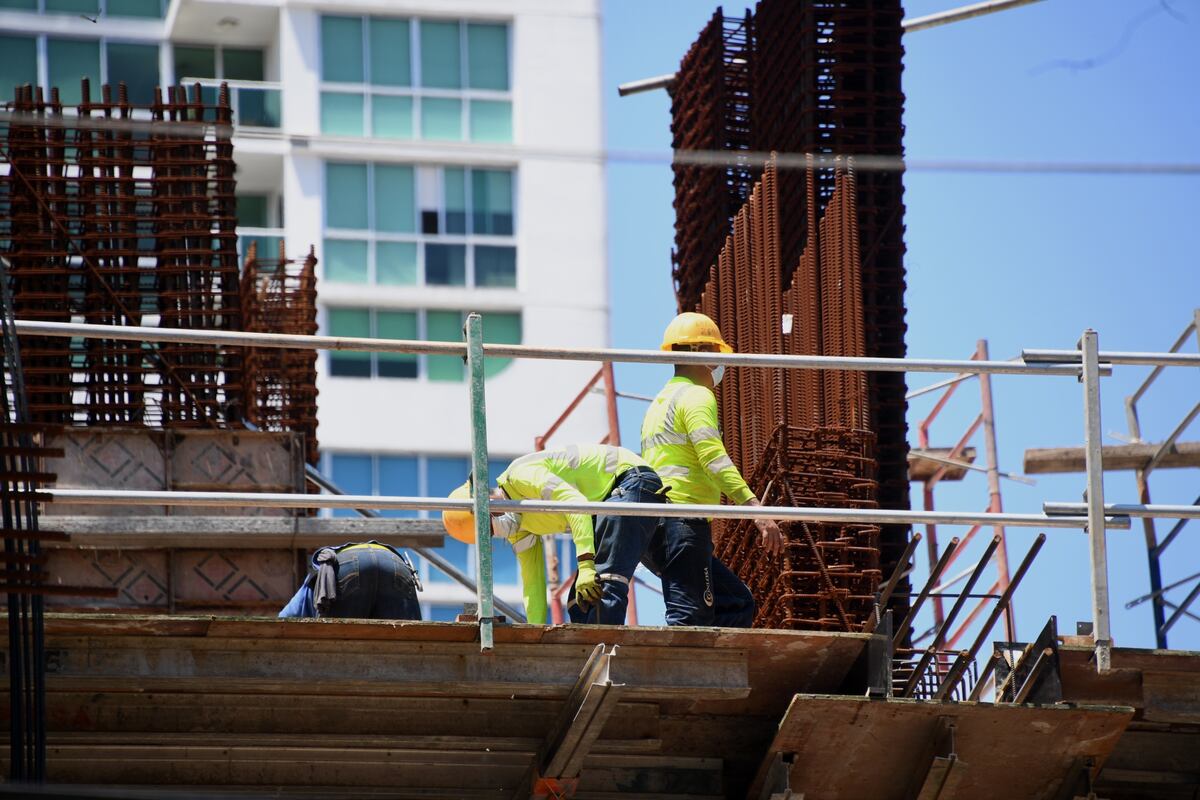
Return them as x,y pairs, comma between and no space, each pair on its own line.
620,543
374,583
697,588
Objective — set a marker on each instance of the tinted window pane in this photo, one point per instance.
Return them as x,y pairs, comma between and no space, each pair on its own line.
500,328
442,613
492,201
18,64
243,64
396,263
441,118
261,107
444,326
252,210
137,66
504,562
455,179
78,6
350,322
446,264
440,59
22,5
456,553
391,117
265,247
69,62
446,473
195,62
135,8
491,121
396,325
346,195
495,266
351,474
395,199
342,114
391,63
487,56
398,477
341,49
345,262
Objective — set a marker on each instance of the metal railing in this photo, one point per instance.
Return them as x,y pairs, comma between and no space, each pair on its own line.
1093,516
255,104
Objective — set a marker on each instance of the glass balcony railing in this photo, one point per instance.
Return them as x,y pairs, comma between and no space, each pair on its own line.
267,239
256,104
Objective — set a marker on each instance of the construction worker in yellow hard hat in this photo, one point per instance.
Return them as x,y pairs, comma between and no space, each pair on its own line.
606,553
681,439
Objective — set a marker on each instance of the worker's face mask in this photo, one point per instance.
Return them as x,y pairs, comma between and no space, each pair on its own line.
718,373
506,524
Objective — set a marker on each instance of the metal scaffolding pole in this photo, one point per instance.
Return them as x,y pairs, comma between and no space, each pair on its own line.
1101,631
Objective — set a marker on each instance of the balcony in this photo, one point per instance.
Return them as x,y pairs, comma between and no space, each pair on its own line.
256,104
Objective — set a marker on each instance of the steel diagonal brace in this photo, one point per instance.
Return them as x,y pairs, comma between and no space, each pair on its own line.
555,772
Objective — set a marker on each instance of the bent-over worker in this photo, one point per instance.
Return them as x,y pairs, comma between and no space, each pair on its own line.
607,553
366,580
681,439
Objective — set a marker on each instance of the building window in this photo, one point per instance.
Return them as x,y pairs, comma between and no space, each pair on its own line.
219,62
406,225
406,78
425,325
419,476
68,61
148,9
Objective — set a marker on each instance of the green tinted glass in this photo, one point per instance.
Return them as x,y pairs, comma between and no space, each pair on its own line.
243,64
391,117
455,183
346,195
487,56
445,264
20,5
252,210
492,201
71,60
341,49
396,263
444,326
342,114
350,322
491,121
500,328
135,65
345,261
441,119
391,63
134,8
441,61
18,64
396,325
495,266
395,202
195,62
73,6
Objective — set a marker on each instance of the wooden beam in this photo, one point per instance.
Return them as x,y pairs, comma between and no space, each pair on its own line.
1049,460
922,469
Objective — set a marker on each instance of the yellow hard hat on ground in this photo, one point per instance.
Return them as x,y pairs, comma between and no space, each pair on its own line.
460,524
692,328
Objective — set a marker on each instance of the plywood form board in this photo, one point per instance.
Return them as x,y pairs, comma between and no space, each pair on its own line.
1162,685
849,748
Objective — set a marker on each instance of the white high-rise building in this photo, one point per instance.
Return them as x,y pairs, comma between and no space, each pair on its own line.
412,143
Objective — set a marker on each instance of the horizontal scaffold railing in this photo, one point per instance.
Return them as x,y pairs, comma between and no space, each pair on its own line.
1087,364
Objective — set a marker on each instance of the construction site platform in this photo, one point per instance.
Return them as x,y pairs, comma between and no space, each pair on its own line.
341,708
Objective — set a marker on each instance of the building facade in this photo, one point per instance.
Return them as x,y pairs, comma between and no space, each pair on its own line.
417,145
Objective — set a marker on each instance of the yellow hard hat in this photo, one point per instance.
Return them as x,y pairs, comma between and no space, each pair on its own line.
692,328
460,524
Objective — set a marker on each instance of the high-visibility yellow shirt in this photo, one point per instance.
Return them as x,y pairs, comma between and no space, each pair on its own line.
681,438
575,473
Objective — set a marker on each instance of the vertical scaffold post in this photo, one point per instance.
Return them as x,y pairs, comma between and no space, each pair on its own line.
1089,345
473,330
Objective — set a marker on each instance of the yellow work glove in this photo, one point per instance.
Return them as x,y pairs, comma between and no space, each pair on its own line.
587,585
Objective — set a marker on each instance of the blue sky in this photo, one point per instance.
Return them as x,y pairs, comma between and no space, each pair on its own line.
1023,260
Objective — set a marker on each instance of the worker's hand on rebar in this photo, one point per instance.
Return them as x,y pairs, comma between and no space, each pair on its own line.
769,535
587,585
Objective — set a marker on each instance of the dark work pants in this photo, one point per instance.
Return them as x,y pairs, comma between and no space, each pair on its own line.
374,583
620,544
697,588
